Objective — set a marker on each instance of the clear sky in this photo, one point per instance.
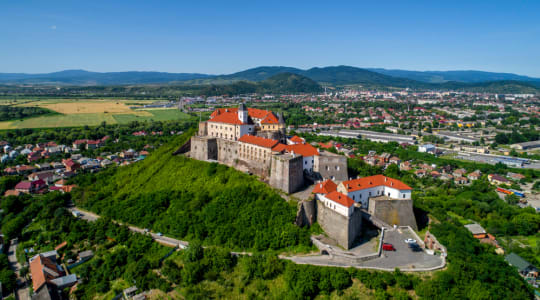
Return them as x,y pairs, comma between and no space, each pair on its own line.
227,36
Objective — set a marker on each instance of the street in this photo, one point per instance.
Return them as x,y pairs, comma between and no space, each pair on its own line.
22,292
168,241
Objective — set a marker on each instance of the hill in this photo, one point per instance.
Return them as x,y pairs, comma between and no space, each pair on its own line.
280,83
459,76
333,75
81,77
191,199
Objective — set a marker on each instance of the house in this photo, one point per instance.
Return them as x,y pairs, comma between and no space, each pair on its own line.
497,179
78,143
47,176
12,193
394,160
460,180
46,271
515,176
474,175
71,165
477,231
523,266
24,187
85,255
295,140
324,187
405,166
420,173
459,172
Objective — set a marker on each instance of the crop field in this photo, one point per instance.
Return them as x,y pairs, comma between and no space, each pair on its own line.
90,112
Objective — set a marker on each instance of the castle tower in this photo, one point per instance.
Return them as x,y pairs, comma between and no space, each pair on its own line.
243,113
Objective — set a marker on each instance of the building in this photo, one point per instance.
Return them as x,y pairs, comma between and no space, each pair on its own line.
524,268
497,179
526,145
477,231
427,148
48,277
361,189
254,140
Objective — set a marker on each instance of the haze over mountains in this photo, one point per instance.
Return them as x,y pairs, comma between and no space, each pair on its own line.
333,75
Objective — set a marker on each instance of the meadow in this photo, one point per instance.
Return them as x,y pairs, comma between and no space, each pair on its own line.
83,112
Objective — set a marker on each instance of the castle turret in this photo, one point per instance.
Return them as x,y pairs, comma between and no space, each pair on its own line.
243,113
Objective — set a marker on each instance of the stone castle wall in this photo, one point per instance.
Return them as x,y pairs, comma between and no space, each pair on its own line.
393,211
330,166
227,151
287,172
344,230
307,213
203,148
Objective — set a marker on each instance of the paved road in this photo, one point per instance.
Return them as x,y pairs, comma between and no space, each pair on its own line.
172,242
23,292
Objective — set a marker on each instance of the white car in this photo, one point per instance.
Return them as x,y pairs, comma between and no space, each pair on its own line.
410,241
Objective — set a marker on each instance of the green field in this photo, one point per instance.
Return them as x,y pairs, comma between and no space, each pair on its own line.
94,119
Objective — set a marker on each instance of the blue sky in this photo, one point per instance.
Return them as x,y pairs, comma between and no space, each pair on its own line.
227,36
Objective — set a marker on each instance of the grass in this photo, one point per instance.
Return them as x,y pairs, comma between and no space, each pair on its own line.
73,113
461,220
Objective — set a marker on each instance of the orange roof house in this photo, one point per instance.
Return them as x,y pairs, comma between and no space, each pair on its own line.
325,187
373,181
340,198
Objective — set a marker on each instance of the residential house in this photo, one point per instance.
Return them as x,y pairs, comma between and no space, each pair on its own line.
525,268
474,175
405,166
461,180
48,274
420,173
71,165
498,179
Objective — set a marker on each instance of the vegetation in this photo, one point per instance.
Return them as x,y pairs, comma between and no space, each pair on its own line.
8,113
191,199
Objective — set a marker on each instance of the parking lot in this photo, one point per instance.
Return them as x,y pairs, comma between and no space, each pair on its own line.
403,257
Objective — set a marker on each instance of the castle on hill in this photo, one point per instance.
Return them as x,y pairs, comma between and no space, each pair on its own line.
255,140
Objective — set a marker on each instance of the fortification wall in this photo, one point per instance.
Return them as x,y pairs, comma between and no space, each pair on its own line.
227,151
287,172
330,166
344,230
393,211
307,213
203,148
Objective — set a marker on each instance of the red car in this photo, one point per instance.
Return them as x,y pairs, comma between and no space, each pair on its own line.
388,247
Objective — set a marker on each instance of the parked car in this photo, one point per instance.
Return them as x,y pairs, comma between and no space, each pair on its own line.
415,247
388,247
410,241
159,234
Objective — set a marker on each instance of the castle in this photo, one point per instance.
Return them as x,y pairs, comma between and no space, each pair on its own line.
254,140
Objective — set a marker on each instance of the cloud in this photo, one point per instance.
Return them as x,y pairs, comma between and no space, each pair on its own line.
53,27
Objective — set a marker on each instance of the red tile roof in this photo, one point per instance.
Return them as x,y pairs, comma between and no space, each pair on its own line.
270,119
340,198
325,187
252,112
296,139
259,141
227,117
41,269
305,150
326,146
23,185
373,181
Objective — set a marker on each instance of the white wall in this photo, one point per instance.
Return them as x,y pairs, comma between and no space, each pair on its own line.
363,195
340,209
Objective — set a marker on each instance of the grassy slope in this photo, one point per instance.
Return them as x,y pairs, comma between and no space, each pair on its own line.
193,199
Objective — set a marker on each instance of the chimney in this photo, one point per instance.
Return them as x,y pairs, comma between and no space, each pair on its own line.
385,179
321,185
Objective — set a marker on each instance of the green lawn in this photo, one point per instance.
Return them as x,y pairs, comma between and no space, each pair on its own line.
92,119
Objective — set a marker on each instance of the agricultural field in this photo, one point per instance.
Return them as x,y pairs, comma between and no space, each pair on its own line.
89,112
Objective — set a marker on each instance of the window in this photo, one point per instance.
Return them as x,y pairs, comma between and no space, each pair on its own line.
353,197
370,194
337,168
327,168
403,196
305,163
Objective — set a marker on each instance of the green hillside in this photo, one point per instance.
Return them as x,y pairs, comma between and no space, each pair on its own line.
190,199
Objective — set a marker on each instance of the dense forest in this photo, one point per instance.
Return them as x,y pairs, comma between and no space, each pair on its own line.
8,112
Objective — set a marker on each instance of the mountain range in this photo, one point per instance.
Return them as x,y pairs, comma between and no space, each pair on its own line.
333,75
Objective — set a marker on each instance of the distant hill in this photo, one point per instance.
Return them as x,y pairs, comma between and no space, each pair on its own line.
460,76
81,77
253,79
279,83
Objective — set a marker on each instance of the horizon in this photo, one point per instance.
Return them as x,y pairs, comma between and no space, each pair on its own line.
223,74
222,38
